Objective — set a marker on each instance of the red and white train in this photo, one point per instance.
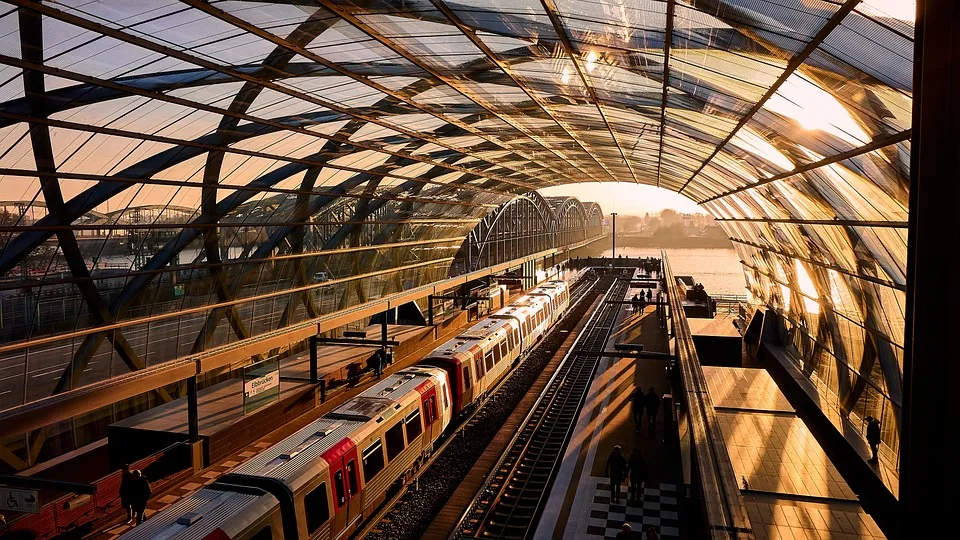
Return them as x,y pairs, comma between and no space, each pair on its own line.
320,482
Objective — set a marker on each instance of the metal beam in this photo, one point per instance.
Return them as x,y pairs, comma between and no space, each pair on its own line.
551,8
833,267
839,222
792,66
876,144
930,371
667,42
156,47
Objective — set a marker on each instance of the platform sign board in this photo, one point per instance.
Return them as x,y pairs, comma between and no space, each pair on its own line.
261,384
19,500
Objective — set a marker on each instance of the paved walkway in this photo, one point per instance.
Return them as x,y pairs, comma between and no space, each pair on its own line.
579,505
791,488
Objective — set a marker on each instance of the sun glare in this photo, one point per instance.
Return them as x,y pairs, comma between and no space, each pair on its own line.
905,10
807,288
802,100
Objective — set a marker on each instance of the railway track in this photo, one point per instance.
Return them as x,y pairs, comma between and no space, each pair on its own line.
511,500
580,290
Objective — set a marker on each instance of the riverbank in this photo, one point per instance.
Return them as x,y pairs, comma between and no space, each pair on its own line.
675,242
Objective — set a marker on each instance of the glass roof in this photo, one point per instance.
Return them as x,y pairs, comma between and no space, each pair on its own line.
787,119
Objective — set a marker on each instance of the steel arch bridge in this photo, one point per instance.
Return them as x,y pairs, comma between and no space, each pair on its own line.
529,224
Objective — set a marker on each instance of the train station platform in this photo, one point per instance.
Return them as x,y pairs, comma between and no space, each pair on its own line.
579,504
223,422
791,488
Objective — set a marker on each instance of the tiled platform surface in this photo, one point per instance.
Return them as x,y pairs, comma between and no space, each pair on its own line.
579,503
656,508
741,388
778,454
793,489
803,520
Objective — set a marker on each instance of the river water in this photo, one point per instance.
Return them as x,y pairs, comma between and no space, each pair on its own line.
718,269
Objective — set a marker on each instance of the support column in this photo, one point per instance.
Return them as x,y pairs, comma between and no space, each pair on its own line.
928,470
613,253
193,415
314,376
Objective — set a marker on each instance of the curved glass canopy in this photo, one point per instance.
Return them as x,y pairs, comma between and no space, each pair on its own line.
167,158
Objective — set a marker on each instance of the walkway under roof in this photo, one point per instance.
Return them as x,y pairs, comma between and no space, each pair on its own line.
170,139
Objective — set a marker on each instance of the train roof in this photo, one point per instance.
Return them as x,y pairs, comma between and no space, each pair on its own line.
200,513
292,456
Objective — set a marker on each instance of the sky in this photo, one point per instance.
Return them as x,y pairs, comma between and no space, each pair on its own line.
626,198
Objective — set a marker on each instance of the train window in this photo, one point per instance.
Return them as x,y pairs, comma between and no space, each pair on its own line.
509,340
414,428
488,360
265,533
316,508
503,349
394,438
433,409
352,483
466,377
446,401
497,353
516,336
338,487
372,460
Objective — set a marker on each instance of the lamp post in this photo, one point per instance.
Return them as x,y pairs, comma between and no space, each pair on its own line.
613,254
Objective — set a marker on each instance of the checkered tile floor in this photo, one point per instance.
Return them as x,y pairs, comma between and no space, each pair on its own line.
658,508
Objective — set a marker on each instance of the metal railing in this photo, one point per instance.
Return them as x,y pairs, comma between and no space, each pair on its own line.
722,502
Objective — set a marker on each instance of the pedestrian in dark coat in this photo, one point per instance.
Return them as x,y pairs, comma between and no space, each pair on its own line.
126,495
616,471
873,436
636,407
141,494
653,407
625,533
637,466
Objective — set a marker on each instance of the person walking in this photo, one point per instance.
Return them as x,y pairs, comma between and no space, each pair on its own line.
649,295
378,362
637,468
140,491
615,470
625,533
126,494
653,407
636,407
873,437
652,534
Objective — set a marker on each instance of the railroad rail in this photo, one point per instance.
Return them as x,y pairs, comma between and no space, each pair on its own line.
579,290
511,499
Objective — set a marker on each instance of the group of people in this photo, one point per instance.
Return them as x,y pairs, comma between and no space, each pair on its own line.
649,402
639,299
619,469
134,493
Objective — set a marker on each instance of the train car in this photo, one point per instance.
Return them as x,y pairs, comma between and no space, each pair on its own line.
477,359
319,482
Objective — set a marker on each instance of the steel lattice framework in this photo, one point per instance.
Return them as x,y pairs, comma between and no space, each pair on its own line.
185,169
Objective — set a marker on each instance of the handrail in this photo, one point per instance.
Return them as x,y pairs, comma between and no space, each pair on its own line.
724,511
52,409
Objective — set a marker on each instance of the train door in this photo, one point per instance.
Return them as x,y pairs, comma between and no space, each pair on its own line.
428,400
346,491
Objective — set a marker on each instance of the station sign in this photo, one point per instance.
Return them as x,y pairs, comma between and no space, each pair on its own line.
20,500
261,384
